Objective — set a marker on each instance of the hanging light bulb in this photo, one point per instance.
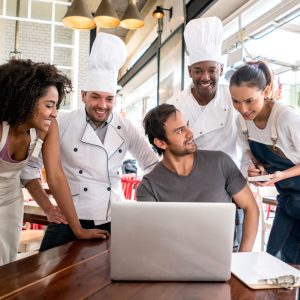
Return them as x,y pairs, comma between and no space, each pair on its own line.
132,18
106,16
158,13
78,16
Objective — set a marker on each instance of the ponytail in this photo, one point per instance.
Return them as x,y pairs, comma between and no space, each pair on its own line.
254,74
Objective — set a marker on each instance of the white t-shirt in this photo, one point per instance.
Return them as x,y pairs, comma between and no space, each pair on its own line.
288,134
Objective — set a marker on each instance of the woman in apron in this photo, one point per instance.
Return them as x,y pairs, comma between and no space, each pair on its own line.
30,94
270,130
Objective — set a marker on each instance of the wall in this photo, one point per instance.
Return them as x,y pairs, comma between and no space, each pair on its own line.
84,51
35,44
177,18
138,39
30,37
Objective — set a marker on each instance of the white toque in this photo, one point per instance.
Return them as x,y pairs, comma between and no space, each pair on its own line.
107,56
203,39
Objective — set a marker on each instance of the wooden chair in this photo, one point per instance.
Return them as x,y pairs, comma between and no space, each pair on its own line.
265,226
27,197
129,176
129,187
30,240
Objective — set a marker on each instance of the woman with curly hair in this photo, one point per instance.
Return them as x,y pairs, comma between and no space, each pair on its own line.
30,94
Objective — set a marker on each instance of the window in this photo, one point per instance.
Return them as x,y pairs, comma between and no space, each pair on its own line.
42,37
276,41
170,67
140,94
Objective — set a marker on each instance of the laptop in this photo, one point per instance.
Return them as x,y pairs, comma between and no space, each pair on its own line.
171,241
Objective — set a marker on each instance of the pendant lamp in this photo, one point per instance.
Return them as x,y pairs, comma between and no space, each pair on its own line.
106,16
78,16
132,18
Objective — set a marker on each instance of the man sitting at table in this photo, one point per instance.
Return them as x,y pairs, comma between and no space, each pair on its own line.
191,175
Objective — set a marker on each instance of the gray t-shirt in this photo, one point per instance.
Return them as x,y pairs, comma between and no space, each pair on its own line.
214,178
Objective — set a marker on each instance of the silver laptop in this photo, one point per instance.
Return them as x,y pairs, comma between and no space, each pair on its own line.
171,241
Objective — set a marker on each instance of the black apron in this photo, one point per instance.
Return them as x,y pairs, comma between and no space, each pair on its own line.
284,238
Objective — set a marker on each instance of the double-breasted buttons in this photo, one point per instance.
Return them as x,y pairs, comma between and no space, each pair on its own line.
108,188
120,150
80,172
119,127
85,189
75,149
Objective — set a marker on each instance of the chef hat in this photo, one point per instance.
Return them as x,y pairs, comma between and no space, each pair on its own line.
203,39
107,56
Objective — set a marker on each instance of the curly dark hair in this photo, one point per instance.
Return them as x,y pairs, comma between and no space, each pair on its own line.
23,83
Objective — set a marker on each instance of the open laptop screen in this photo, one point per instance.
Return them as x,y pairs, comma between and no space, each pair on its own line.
171,241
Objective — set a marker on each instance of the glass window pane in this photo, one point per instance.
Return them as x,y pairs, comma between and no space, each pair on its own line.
11,8
257,10
41,11
139,55
170,67
1,7
140,94
60,11
186,76
281,45
231,28
290,88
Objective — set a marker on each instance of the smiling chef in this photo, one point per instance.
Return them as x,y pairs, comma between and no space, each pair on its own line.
94,141
207,104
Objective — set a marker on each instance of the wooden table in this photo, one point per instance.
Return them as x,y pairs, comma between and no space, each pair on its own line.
271,200
34,214
81,270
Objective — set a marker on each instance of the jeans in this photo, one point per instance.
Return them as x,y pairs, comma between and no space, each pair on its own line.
59,234
285,237
239,220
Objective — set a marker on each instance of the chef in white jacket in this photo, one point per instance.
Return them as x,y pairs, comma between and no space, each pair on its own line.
207,104
94,141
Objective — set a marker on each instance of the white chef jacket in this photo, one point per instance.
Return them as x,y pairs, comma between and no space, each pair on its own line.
92,167
214,127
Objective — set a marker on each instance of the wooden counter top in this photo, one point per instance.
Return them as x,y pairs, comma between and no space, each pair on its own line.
81,270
